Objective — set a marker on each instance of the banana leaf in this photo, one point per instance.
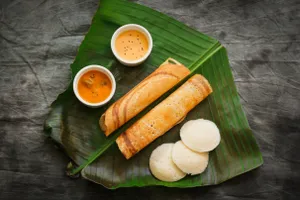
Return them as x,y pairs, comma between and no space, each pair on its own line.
75,127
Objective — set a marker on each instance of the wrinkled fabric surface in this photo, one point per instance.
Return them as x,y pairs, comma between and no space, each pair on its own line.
39,40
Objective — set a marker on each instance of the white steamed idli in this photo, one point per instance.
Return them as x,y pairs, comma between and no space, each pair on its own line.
162,165
200,135
189,161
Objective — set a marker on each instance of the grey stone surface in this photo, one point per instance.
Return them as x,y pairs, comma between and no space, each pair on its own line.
39,40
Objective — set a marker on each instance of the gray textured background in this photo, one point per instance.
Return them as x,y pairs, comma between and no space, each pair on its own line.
39,40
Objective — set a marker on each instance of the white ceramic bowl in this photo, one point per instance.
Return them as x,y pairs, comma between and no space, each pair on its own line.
127,27
98,68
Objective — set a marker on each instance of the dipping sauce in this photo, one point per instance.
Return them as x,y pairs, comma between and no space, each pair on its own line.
94,86
131,45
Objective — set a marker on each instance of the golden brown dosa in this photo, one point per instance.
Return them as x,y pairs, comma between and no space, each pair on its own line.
151,88
164,116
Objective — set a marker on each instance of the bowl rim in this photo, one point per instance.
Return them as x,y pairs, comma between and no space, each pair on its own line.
136,27
101,69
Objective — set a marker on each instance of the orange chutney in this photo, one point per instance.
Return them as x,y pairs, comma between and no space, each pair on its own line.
94,86
131,45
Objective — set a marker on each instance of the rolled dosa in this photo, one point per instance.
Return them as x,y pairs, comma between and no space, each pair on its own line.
151,88
163,116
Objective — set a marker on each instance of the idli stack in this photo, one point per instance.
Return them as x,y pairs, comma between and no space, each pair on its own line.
171,162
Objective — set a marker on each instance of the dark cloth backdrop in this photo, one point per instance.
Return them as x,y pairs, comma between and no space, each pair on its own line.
39,40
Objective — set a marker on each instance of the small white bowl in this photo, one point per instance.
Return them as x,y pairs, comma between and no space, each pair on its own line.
128,27
98,68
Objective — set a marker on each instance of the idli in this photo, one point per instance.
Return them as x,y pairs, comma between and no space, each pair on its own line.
162,165
200,135
187,160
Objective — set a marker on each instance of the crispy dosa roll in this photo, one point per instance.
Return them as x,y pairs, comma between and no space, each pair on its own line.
151,88
164,116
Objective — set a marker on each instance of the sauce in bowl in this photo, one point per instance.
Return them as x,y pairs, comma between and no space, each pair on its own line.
131,45
94,86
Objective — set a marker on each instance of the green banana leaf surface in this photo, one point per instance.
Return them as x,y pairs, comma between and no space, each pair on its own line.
75,127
